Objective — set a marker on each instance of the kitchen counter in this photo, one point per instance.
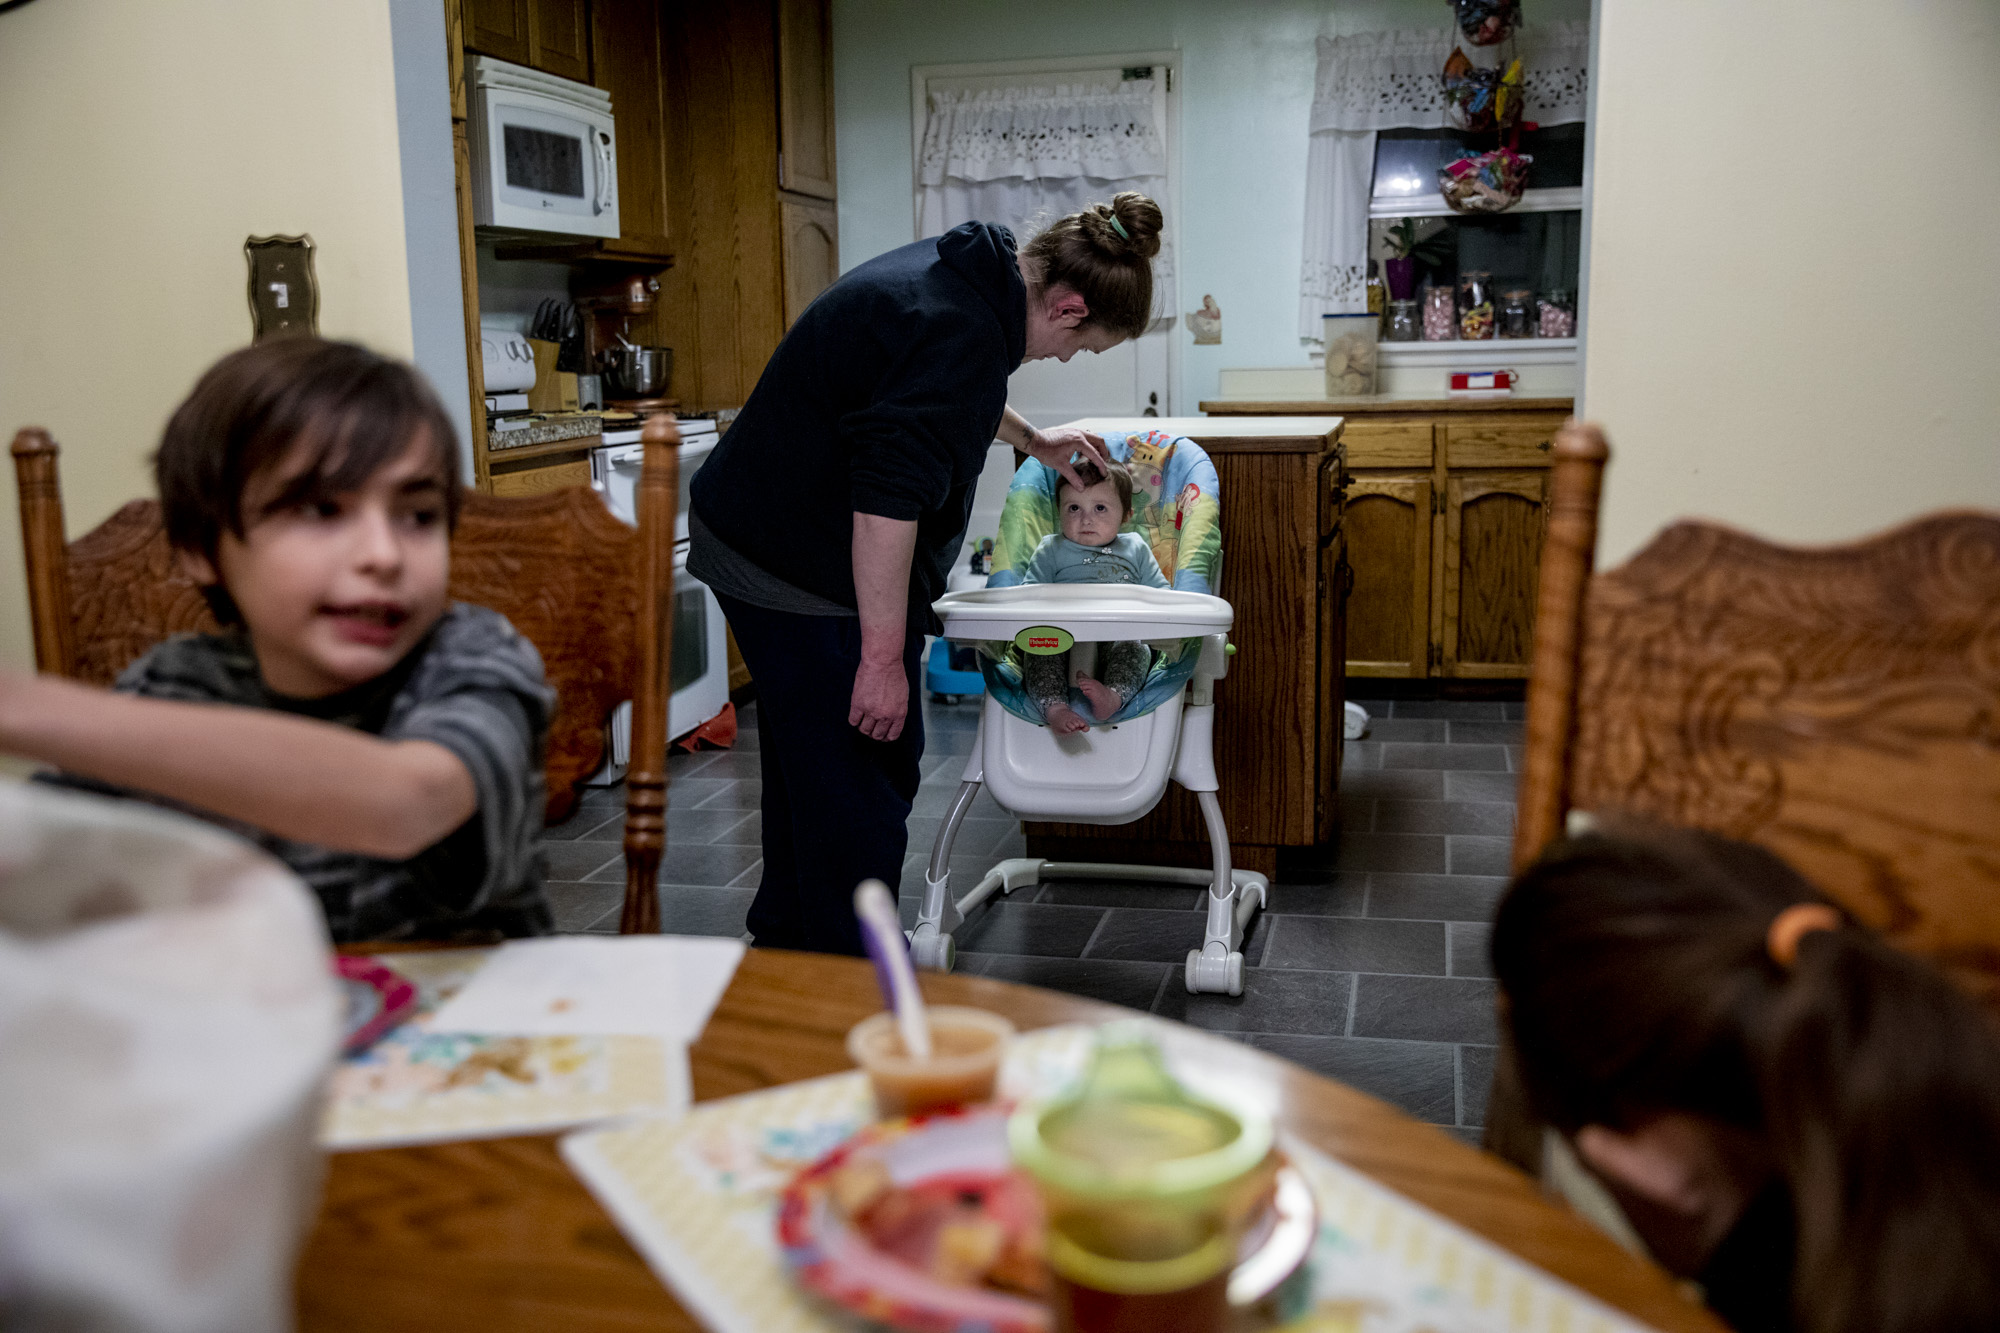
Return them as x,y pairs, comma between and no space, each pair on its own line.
1286,409
1277,728
1270,433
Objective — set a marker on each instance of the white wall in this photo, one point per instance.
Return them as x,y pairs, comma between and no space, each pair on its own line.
430,208
140,143
1247,82
1794,286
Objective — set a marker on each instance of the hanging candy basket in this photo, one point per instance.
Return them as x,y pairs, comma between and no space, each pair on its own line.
1485,182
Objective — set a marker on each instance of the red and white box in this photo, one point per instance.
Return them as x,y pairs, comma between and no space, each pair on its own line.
1483,383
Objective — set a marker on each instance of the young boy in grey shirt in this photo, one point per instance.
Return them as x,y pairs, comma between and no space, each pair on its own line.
1091,549
381,739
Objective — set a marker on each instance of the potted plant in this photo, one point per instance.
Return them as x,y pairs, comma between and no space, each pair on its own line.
1408,254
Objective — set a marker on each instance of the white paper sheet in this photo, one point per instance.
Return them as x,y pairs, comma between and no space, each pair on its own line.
646,985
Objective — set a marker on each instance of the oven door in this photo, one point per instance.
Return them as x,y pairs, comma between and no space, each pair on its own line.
697,679
540,164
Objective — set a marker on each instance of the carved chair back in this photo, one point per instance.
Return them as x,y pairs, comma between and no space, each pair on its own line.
589,592
1839,705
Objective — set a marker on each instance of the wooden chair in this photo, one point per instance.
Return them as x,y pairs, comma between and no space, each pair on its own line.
1839,705
593,596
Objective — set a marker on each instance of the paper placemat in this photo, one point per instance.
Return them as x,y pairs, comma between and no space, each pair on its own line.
420,1084
696,1196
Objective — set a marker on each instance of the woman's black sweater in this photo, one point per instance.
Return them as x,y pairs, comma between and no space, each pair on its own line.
883,399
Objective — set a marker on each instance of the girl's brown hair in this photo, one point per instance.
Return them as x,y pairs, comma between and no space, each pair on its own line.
1638,980
1105,255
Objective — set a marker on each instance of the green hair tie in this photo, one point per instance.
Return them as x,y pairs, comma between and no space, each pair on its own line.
1119,227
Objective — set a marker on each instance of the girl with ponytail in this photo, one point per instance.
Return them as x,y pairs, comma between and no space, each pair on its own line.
1799,1116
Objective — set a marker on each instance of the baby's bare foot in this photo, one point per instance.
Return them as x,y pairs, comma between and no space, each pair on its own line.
1104,700
1064,720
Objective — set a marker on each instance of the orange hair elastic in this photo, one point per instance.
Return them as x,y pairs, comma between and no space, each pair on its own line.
1793,924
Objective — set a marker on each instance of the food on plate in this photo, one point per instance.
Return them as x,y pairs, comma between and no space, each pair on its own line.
965,1228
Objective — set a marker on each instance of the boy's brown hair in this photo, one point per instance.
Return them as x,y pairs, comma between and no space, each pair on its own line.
1121,481
356,412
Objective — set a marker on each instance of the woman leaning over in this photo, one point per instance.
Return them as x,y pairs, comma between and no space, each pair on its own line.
827,519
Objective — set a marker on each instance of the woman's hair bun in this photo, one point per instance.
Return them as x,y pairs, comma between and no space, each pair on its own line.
1137,215
1104,253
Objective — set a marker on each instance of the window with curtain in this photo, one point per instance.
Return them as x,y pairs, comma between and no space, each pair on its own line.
1376,81
1028,152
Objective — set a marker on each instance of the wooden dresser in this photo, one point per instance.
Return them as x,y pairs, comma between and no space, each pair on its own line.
1277,730
1445,514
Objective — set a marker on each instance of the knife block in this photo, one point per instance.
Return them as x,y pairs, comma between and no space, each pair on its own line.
555,390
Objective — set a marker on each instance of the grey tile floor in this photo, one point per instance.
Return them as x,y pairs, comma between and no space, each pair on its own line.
1369,964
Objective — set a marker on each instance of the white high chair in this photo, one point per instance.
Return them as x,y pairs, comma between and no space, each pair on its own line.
1107,775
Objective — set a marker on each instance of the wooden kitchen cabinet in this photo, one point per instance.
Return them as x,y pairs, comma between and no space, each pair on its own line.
1446,510
1493,525
750,187
1278,740
1389,548
541,475
805,98
626,62
549,35
811,254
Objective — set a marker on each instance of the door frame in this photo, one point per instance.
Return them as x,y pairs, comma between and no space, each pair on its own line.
1170,60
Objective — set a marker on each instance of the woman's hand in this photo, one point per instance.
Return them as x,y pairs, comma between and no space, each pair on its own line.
881,699
1055,448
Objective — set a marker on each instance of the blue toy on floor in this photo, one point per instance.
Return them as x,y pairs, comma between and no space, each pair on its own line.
951,672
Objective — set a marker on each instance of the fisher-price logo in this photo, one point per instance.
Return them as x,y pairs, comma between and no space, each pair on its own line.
1049,642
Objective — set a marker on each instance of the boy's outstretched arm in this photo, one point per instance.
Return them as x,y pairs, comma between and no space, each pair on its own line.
298,778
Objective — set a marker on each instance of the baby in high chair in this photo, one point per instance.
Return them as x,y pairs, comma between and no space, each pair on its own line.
1090,549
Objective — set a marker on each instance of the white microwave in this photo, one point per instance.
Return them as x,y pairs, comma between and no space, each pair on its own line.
544,152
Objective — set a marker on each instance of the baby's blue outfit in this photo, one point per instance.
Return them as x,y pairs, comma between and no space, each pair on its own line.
1126,560
1123,665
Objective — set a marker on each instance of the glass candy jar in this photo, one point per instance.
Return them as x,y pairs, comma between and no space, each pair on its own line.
1475,305
1517,313
1403,322
1557,315
1440,315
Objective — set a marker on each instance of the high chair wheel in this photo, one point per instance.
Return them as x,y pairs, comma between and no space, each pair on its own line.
1214,974
933,950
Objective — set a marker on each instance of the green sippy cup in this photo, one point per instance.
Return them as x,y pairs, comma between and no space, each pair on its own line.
1148,1191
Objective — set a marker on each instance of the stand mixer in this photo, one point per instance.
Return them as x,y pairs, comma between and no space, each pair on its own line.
635,376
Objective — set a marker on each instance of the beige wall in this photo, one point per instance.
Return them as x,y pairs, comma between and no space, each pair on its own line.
1794,288
140,143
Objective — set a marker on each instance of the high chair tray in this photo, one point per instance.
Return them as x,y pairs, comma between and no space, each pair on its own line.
1092,612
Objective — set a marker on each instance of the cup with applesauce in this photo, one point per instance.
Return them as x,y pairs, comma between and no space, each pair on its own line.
967,1046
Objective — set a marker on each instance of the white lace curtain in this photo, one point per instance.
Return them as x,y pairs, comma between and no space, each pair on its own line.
1389,80
1026,155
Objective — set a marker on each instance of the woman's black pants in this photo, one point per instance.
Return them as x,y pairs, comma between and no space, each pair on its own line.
836,804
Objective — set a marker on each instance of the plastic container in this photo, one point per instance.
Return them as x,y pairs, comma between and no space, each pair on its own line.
1148,1190
1440,315
1404,325
1517,313
1350,354
967,1046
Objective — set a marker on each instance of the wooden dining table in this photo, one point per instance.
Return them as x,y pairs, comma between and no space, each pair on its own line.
497,1234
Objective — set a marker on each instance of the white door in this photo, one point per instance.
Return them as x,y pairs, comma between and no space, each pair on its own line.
1134,378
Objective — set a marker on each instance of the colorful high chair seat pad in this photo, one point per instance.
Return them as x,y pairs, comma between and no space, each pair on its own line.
1176,507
